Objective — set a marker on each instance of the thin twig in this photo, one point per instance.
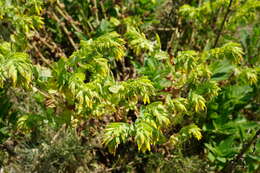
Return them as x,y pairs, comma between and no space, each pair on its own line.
223,23
90,26
51,45
169,48
61,10
55,17
103,9
55,137
38,52
95,10
230,167
69,19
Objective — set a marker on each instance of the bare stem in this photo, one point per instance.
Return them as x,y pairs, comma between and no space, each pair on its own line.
55,17
51,45
223,23
103,9
68,18
230,167
95,10
38,52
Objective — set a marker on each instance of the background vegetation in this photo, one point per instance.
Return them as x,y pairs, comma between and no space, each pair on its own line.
129,86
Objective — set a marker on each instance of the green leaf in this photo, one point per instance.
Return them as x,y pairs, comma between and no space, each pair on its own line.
116,88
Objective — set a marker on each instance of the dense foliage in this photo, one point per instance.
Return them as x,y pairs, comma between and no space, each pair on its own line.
129,86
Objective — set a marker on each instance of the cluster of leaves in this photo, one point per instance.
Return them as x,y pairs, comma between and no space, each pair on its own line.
16,67
100,72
